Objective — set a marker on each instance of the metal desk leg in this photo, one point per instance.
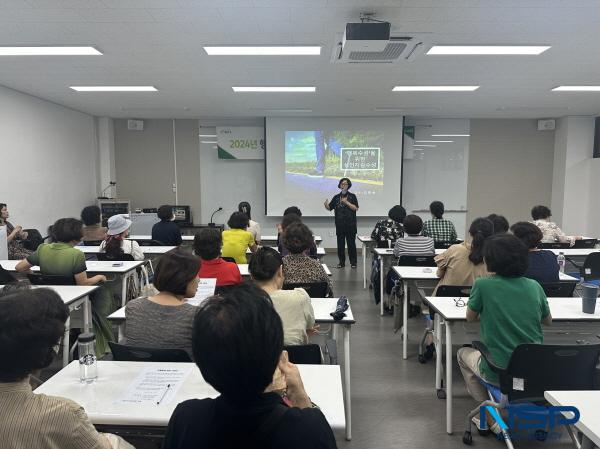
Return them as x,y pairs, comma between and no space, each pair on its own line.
87,314
448,325
437,341
124,290
381,292
66,342
405,322
364,256
586,443
347,395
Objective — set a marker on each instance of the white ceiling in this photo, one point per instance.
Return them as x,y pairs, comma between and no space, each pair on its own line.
159,42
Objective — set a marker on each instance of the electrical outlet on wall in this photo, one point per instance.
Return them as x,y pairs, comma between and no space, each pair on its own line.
331,233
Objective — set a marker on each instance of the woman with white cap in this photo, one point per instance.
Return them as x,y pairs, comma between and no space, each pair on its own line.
116,244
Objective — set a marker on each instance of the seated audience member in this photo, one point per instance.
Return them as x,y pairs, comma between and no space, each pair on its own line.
92,228
166,231
461,264
413,243
543,266
551,233
116,244
500,223
62,259
297,266
165,320
510,308
285,222
438,228
289,210
253,227
237,239
238,342
32,323
293,306
14,236
387,231
207,245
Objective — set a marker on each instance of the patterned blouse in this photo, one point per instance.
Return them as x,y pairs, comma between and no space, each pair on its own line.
552,233
386,233
299,268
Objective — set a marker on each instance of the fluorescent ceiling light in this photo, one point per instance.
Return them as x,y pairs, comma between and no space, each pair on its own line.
451,135
434,88
263,51
283,110
487,49
49,51
114,88
207,135
275,89
429,146
434,141
208,141
576,89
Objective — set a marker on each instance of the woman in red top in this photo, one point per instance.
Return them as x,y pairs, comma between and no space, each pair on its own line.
207,245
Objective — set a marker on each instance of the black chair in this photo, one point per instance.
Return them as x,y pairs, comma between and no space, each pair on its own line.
92,242
539,368
456,291
554,245
229,259
590,270
6,277
558,289
314,289
416,261
33,240
585,243
50,279
125,353
115,258
151,243
309,354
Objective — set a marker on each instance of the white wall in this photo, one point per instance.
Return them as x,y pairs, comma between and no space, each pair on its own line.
48,160
593,229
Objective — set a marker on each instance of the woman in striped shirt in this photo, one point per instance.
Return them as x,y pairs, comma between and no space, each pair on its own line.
413,243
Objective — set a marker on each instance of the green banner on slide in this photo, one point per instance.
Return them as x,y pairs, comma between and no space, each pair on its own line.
240,142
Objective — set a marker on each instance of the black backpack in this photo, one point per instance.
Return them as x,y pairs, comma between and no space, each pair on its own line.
34,239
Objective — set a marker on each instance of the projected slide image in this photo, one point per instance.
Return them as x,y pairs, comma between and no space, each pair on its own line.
316,160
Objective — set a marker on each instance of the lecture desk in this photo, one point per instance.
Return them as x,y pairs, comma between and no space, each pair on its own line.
99,398
366,242
588,404
74,297
322,308
124,269
413,274
447,314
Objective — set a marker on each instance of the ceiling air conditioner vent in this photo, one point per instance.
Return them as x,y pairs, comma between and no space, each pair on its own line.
391,52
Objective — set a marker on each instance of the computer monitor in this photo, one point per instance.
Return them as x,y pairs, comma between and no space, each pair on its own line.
183,215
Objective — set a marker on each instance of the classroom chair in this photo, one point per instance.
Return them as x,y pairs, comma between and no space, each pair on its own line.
123,353
120,258
50,279
314,289
589,272
229,259
532,370
92,242
585,243
150,243
554,245
309,354
445,245
558,289
6,277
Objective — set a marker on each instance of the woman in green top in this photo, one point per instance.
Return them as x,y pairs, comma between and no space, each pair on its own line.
61,258
510,307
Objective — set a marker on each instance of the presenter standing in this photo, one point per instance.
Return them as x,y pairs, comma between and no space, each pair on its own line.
345,205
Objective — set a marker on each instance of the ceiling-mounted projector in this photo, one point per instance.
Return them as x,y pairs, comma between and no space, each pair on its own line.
369,37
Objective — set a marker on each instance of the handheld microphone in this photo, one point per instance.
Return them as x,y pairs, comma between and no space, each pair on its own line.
110,184
211,224
342,306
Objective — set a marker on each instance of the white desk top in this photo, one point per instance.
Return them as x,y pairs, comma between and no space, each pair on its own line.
323,384
273,238
421,273
561,309
243,267
93,266
185,238
145,249
321,306
588,404
69,293
364,238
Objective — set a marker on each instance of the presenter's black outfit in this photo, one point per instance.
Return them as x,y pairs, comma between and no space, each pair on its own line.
345,226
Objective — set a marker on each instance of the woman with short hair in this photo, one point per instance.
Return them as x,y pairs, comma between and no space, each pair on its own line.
207,245
92,227
551,233
543,265
237,239
387,231
166,231
344,205
165,320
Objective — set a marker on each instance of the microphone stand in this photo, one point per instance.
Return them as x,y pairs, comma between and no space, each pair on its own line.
110,184
212,224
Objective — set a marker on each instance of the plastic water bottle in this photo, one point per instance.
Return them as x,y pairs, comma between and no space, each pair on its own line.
88,364
561,261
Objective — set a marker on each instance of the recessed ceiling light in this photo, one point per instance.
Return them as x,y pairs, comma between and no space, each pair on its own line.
487,49
207,135
208,141
434,141
49,51
576,89
429,146
263,51
275,89
114,88
451,135
434,88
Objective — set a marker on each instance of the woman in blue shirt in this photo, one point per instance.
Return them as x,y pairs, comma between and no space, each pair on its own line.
543,266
